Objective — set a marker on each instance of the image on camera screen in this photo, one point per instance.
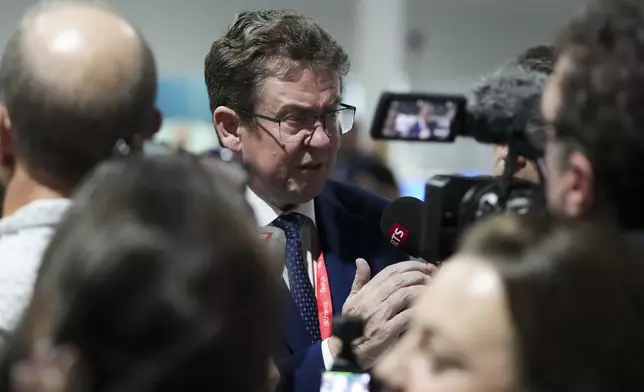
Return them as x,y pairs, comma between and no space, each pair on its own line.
345,382
420,120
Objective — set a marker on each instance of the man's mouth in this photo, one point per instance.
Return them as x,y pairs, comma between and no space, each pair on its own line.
311,166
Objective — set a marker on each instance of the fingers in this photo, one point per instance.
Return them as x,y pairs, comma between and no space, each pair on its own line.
384,290
363,275
401,300
382,337
399,268
398,324
432,269
365,300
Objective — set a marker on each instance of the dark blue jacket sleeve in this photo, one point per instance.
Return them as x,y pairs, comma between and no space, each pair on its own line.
302,371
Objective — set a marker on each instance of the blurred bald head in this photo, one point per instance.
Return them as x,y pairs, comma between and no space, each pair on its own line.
75,78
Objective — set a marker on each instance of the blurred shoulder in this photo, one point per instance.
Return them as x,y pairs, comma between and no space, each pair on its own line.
356,200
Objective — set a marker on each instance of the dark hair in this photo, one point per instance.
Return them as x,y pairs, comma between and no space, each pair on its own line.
539,58
61,137
259,44
576,295
159,282
602,95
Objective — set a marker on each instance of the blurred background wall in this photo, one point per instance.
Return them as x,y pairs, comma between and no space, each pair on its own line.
419,45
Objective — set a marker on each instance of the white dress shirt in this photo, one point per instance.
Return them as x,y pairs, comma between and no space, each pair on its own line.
265,215
24,237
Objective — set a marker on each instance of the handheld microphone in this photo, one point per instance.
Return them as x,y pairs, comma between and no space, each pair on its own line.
275,240
401,222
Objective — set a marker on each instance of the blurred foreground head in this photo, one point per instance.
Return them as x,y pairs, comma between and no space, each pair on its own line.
528,304
158,281
595,150
74,79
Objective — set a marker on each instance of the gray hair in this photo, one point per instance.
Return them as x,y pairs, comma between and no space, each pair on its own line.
265,43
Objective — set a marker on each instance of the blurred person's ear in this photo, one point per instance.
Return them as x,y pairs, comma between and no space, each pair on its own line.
155,125
6,140
139,139
579,181
227,125
499,152
47,369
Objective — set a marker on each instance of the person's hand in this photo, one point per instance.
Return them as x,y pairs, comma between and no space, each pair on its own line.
383,304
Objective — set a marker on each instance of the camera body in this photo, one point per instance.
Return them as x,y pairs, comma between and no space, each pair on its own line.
454,202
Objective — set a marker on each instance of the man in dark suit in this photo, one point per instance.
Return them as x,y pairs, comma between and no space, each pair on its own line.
425,124
274,82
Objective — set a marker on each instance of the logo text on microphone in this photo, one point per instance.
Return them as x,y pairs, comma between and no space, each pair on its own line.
398,235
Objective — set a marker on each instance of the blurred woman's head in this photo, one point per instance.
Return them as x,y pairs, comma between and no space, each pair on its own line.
528,304
158,281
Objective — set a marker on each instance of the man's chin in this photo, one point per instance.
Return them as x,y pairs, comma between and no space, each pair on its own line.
303,193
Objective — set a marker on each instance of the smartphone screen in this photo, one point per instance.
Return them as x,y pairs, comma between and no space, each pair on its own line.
418,117
345,382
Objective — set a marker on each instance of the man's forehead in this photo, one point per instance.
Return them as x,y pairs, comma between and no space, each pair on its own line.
305,88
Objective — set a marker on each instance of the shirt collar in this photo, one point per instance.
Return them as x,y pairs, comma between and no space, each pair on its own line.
38,213
265,214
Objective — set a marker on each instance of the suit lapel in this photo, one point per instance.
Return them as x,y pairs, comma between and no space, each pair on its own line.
334,225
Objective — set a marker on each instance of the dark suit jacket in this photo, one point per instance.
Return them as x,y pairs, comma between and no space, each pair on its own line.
348,219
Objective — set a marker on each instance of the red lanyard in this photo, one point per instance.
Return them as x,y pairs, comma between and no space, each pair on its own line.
323,295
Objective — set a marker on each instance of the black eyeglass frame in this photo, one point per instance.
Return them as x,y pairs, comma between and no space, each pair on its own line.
322,118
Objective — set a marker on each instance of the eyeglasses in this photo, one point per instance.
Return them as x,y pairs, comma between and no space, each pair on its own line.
295,127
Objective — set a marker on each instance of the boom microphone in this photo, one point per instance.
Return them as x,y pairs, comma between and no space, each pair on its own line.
275,239
506,105
401,222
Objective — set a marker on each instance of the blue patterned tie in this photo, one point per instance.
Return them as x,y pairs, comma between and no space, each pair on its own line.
298,275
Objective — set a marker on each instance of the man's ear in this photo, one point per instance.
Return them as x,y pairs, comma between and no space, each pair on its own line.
155,125
139,139
6,140
47,368
226,124
580,179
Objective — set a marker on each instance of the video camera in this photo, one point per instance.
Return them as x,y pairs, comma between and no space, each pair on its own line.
454,202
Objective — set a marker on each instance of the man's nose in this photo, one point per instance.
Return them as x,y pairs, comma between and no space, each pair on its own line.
320,137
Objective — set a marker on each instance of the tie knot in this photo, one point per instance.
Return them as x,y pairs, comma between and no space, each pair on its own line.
289,223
